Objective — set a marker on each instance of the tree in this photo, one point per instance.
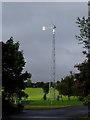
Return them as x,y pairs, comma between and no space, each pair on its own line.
61,87
12,66
29,83
39,84
84,36
45,89
75,90
84,67
84,78
69,81
66,85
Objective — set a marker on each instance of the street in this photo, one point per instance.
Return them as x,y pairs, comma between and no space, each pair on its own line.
68,113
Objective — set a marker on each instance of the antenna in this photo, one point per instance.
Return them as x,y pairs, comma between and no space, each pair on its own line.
53,56
88,27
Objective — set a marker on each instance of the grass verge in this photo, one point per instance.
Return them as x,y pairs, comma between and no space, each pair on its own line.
28,107
47,104
36,101
83,118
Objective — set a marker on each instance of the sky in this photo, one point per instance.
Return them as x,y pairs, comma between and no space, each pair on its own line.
44,0
24,21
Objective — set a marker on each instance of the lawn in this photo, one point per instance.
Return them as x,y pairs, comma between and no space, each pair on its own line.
36,101
34,93
37,93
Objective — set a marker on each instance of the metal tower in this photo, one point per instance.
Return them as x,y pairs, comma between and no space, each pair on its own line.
52,57
89,27
53,60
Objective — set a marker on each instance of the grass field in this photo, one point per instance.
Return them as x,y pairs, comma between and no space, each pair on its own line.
34,93
37,93
36,101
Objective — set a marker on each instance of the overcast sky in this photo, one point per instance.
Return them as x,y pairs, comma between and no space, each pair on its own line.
44,0
24,22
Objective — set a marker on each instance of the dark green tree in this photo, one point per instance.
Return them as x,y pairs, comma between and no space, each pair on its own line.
45,89
84,67
66,85
28,83
84,78
39,84
69,82
61,87
75,89
13,63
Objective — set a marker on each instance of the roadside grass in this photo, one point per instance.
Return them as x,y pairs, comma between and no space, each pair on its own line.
46,104
36,101
83,118
27,107
54,102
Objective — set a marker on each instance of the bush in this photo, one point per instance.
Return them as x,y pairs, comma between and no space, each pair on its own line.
20,107
86,100
8,108
81,98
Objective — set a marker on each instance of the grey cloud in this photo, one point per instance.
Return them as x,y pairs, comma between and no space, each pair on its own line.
24,21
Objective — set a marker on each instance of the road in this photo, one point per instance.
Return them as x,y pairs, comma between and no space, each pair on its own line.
68,113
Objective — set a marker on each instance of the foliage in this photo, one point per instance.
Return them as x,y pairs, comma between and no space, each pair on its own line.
8,107
12,67
84,78
84,68
75,89
46,88
61,87
65,87
86,100
39,84
84,33
28,83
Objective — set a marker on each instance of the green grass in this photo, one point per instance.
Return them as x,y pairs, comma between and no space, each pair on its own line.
36,101
37,94
34,93
46,104
39,107
83,118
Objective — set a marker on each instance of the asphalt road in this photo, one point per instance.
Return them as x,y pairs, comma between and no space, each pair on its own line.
68,113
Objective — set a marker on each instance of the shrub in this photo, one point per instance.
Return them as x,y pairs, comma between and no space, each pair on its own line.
20,107
86,100
81,98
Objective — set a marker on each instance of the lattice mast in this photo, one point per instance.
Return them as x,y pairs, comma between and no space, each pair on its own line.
53,59
89,28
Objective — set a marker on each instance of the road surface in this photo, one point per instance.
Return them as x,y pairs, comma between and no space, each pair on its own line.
68,113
